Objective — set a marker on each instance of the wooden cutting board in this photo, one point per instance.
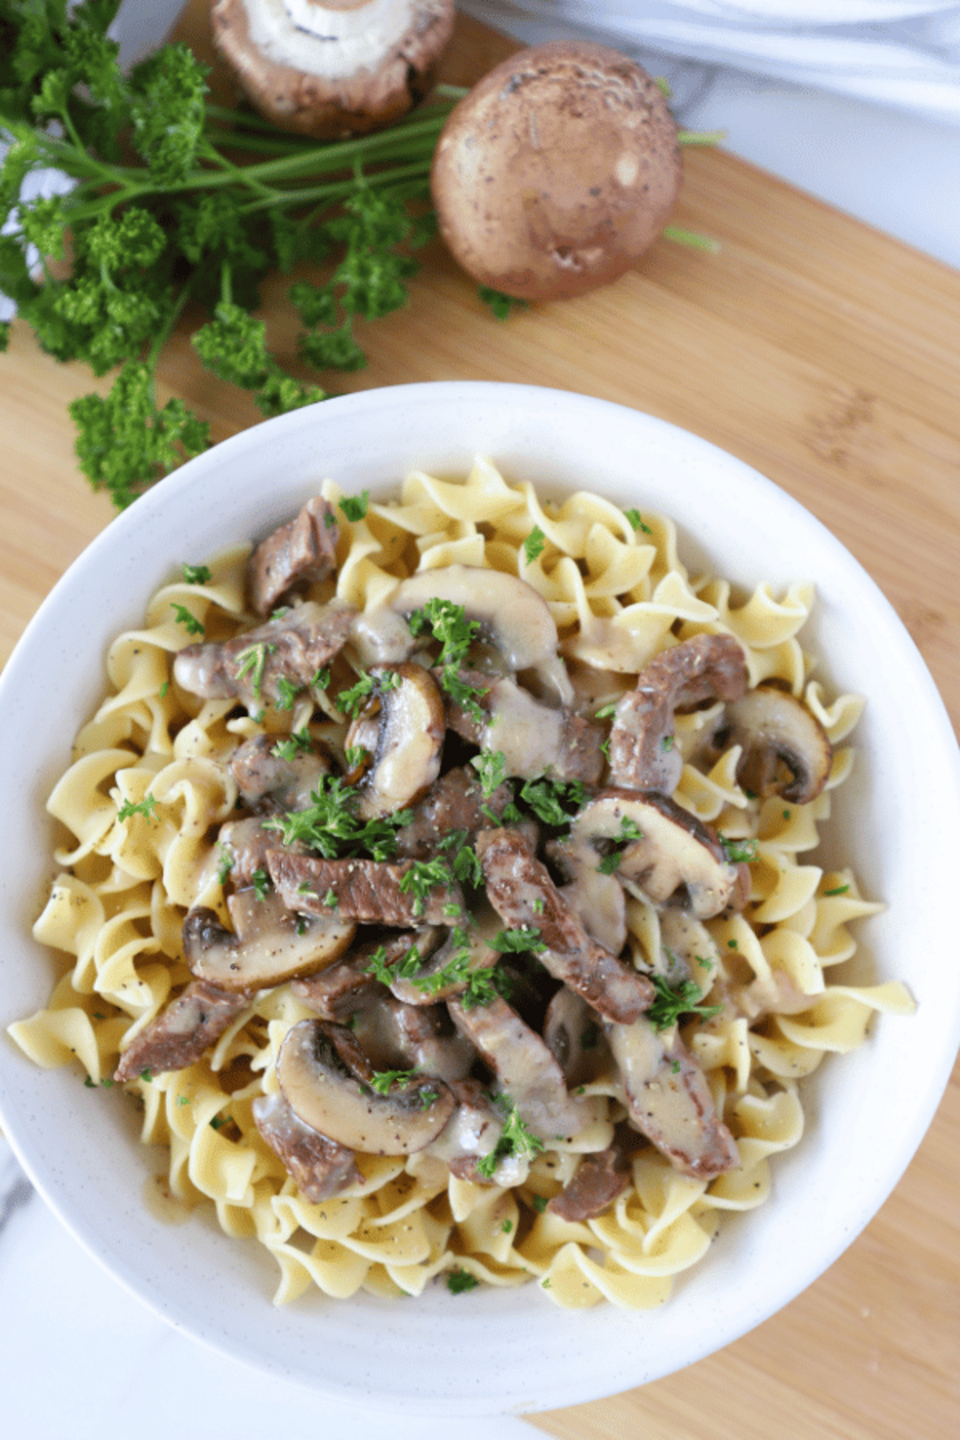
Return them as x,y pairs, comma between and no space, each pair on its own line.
826,355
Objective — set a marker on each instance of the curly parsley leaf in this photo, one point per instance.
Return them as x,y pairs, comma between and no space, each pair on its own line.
671,1003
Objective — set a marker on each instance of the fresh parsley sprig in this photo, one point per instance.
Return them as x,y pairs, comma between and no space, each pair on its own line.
166,211
330,825
672,1003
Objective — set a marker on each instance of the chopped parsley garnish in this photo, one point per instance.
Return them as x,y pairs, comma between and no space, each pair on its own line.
421,878
629,830
287,693
144,807
738,851
515,1139
553,801
459,1281
402,969
197,574
355,506
297,743
187,619
491,766
837,890
534,543
261,883
350,700
522,937
637,521
252,661
225,857
449,625
331,826
672,1002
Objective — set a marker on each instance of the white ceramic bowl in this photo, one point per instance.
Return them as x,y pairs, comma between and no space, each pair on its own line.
481,1352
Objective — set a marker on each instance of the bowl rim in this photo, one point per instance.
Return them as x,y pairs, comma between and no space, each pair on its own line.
530,407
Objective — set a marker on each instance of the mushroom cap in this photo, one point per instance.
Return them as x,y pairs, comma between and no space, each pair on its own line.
343,67
557,171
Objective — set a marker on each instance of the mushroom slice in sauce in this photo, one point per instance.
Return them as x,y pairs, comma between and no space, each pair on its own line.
372,891
525,1069
343,987
410,725
446,973
318,1166
511,616
521,891
291,648
533,738
668,1100
183,1030
472,1134
302,552
786,750
598,1179
326,1080
575,1038
669,855
269,943
642,754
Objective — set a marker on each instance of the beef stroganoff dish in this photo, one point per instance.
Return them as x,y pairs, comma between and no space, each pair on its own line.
440,878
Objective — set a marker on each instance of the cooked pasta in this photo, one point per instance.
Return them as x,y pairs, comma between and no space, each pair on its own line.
149,808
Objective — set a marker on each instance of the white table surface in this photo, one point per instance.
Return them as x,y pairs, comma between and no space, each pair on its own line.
78,1356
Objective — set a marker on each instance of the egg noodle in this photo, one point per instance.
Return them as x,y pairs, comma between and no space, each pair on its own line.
619,594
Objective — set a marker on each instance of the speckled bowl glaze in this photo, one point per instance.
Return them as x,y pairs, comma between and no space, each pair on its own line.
491,1352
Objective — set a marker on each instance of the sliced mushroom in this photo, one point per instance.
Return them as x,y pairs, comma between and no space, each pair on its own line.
668,854
269,943
407,708
302,552
318,1166
326,1080
668,1100
183,1030
371,891
533,738
252,666
521,891
446,973
786,750
596,898
454,808
525,1069
642,752
574,1036
335,68
511,616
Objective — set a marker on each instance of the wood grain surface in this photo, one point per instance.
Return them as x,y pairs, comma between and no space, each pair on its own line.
826,355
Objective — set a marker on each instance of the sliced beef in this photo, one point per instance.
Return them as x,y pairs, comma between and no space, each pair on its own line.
318,1166
598,1180
183,1030
370,891
269,782
668,1099
455,804
641,751
259,665
296,554
536,739
521,891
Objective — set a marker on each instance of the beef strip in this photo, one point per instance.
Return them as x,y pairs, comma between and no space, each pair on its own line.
251,666
296,554
455,803
366,890
318,1166
183,1030
668,1099
641,753
521,891
598,1180
269,783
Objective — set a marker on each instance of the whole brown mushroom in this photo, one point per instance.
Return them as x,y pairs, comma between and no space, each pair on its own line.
330,68
557,171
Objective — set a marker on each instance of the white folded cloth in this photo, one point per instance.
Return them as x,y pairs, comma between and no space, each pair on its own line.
890,52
